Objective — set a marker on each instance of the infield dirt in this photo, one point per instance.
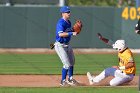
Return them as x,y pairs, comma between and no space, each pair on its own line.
52,81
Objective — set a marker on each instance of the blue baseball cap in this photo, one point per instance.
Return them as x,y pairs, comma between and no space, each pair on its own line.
65,9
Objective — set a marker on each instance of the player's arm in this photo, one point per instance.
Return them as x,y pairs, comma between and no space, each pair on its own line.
128,65
62,33
66,34
137,27
105,40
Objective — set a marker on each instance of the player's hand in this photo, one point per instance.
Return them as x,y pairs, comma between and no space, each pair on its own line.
74,33
99,36
137,31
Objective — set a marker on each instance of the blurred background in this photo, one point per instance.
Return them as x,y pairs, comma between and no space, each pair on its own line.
115,3
31,23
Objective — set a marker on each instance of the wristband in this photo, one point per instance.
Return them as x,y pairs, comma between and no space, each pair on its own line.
70,33
122,68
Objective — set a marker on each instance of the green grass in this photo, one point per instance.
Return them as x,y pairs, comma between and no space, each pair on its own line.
70,90
50,64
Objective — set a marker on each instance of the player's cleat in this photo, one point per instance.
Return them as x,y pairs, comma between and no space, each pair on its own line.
64,83
90,78
72,82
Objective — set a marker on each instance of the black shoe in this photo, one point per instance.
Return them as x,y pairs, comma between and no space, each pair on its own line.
72,82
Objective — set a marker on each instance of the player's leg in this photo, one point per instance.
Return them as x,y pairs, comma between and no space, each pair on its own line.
95,79
62,53
116,81
71,80
107,72
72,62
120,78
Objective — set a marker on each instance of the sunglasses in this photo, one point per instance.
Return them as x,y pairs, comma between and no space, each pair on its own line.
67,12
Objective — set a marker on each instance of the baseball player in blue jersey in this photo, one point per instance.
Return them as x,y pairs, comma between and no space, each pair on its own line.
64,32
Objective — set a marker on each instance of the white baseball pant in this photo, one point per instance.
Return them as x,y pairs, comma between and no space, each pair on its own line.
65,53
119,76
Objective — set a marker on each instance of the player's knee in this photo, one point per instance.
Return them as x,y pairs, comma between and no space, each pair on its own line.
110,71
66,66
107,71
113,83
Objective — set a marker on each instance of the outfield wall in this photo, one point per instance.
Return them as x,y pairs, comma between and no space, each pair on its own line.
34,27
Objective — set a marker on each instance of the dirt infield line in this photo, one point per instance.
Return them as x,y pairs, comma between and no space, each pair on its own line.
51,81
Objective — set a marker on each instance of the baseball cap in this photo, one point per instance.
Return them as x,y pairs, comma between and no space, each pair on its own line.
65,9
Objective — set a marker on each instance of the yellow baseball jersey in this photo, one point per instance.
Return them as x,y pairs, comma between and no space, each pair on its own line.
124,58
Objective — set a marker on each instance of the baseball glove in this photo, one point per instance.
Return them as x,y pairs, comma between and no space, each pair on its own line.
52,46
77,26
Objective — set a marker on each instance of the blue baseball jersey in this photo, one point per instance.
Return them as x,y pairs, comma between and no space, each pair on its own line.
63,26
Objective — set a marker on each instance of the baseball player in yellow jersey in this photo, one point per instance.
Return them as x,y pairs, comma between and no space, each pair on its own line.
123,73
